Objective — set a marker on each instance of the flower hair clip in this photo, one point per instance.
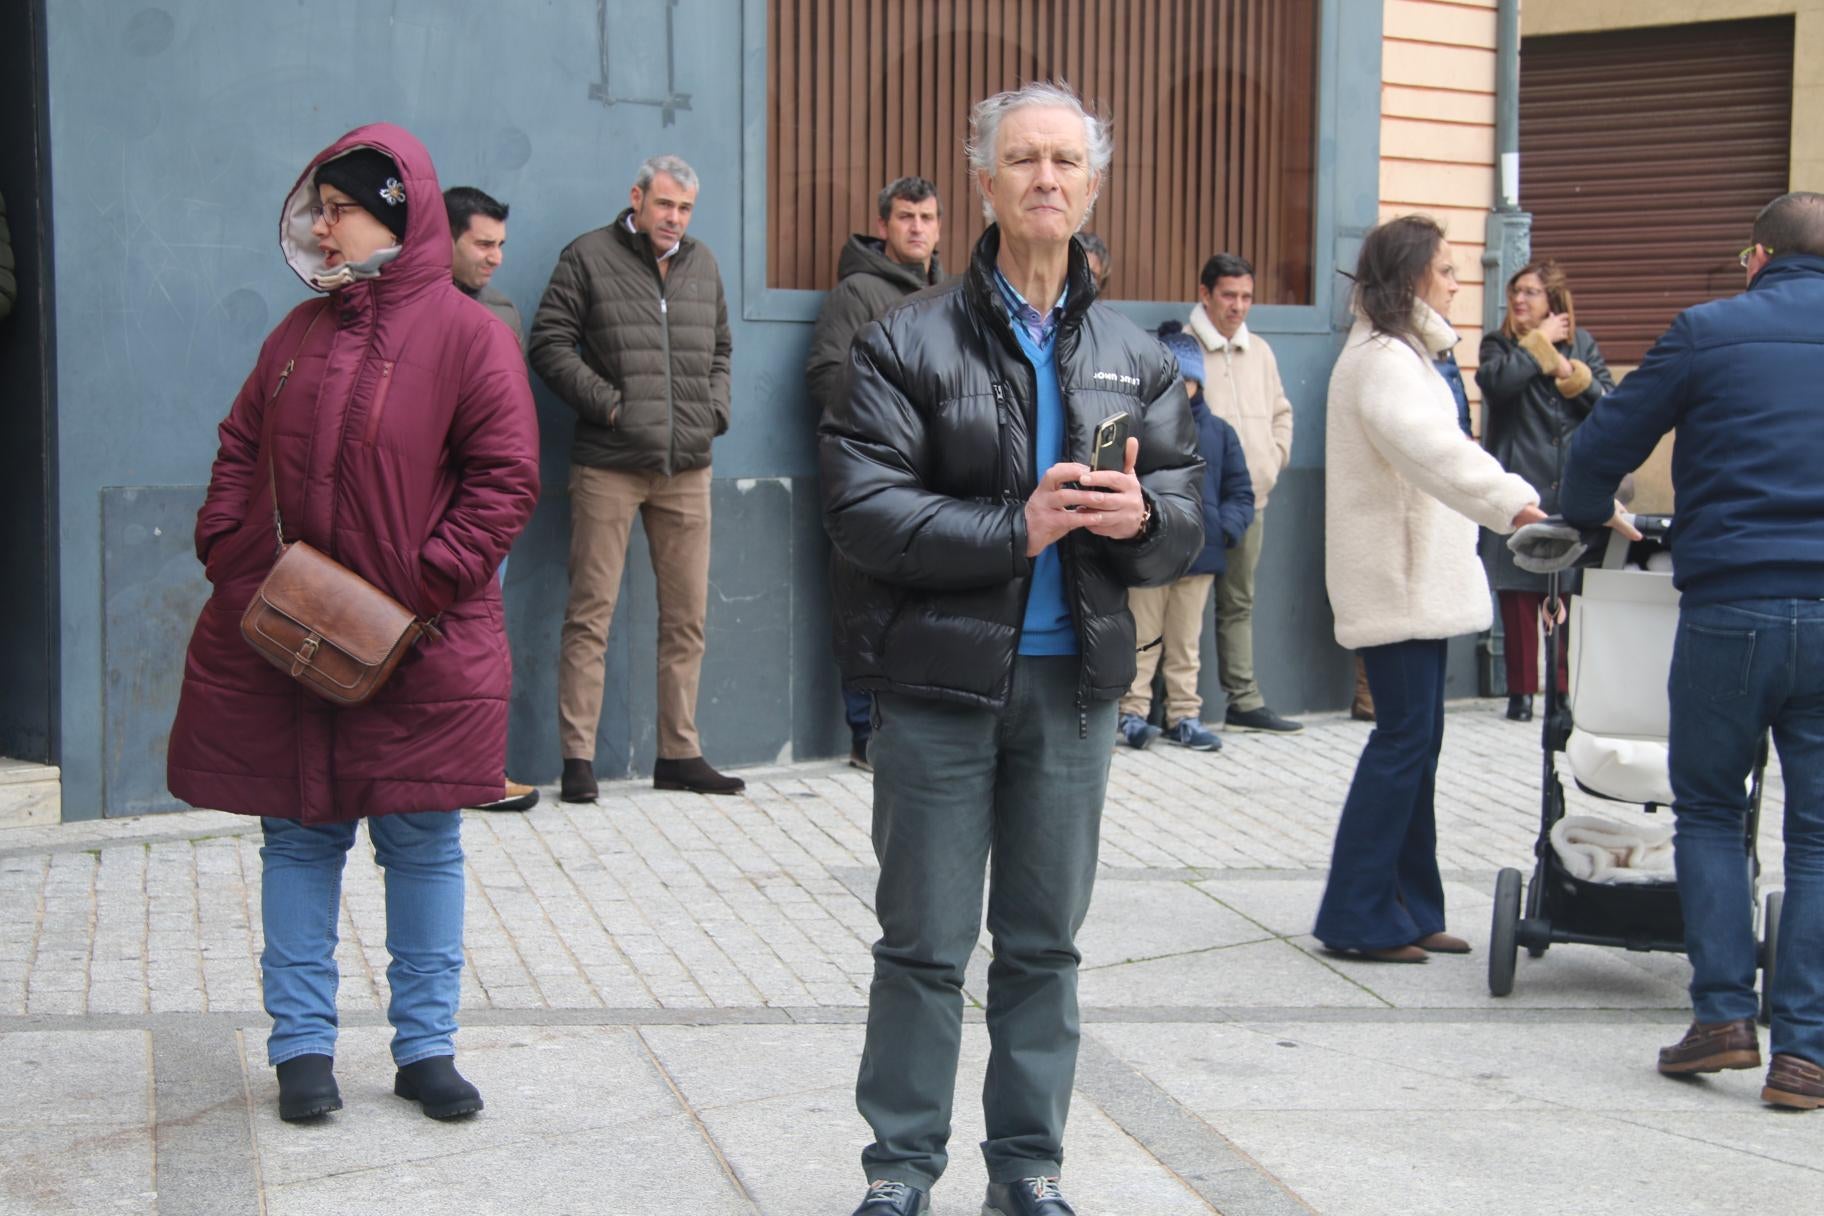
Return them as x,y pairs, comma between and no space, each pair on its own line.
393,192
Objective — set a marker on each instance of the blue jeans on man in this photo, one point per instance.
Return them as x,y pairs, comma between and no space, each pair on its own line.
1740,669
301,900
858,712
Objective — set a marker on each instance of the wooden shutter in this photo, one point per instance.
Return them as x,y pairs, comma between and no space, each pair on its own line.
1212,102
1644,156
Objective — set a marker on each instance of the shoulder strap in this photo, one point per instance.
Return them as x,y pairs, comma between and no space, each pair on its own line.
272,480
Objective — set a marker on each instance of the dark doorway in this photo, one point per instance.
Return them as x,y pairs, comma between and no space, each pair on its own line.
28,514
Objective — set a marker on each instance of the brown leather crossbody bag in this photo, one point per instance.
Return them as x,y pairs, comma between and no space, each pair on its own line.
318,621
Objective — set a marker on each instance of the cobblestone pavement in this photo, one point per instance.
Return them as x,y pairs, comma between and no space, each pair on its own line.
691,972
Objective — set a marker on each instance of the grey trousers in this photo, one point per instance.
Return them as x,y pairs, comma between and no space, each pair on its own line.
958,791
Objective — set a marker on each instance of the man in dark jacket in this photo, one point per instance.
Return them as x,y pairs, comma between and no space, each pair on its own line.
478,242
1168,621
1739,380
632,334
981,597
875,273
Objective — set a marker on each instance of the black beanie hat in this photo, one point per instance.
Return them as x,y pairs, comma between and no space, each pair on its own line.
370,177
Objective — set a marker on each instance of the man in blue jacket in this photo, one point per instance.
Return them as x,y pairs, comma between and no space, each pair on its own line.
1742,382
1168,620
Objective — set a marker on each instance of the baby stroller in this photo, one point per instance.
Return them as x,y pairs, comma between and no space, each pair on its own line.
1610,726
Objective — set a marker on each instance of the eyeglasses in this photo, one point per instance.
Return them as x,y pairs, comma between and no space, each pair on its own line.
331,213
1747,253
1528,293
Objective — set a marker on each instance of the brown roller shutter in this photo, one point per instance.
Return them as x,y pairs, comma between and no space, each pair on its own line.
1644,157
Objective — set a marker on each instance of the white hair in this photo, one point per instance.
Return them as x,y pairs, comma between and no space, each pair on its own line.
985,129
671,166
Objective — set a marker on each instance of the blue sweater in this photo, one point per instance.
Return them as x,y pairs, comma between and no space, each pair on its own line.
1048,628
1742,380
1228,494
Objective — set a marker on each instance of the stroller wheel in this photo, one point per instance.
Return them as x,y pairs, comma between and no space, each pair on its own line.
1770,948
1503,948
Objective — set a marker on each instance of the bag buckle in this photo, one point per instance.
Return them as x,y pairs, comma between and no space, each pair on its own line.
307,650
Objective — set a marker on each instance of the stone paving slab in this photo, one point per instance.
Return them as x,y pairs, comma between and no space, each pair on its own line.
664,995
781,1104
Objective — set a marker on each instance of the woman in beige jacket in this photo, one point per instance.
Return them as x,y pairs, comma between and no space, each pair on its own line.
1405,489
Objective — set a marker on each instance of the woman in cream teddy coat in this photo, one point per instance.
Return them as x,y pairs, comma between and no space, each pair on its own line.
1405,489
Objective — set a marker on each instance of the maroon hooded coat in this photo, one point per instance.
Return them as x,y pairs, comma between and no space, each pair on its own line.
406,447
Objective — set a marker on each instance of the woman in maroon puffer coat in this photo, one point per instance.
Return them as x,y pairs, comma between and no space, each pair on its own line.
404,445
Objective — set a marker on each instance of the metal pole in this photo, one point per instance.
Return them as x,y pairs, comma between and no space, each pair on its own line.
1507,246
1507,104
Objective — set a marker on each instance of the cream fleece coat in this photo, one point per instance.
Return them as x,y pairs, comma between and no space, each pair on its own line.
1242,385
1404,491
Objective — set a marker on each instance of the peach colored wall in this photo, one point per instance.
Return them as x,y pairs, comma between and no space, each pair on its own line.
1438,135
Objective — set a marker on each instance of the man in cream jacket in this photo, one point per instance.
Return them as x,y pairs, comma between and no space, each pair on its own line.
1243,390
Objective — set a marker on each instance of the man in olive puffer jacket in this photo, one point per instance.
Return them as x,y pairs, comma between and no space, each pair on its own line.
982,598
632,334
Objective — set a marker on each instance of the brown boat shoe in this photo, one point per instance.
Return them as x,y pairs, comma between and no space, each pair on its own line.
1795,1083
1712,1047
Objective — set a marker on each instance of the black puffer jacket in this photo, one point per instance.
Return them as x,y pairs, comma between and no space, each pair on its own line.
927,464
868,282
1527,420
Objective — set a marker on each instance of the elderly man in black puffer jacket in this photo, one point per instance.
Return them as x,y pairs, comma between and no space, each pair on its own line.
981,596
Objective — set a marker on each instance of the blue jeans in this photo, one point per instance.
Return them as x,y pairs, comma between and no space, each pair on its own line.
301,897
858,709
1740,669
959,791
1384,890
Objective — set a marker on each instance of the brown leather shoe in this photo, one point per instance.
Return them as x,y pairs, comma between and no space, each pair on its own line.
1794,1082
1442,943
578,783
694,775
1712,1047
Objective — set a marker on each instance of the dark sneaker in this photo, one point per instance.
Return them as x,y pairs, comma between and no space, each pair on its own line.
886,1197
1195,735
858,756
307,1088
1712,1047
1137,732
438,1088
1795,1083
517,798
1026,1197
693,775
579,782
1519,708
1263,720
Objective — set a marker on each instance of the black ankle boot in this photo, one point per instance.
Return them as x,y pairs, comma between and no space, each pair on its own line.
579,782
1520,708
438,1087
694,775
307,1088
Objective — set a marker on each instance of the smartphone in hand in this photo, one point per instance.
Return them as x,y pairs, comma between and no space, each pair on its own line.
1107,447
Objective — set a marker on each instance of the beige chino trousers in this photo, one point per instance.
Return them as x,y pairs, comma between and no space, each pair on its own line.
675,513
1173,613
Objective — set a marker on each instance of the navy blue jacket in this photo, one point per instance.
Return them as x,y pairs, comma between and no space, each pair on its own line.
1446,364
1228,493
1742,380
